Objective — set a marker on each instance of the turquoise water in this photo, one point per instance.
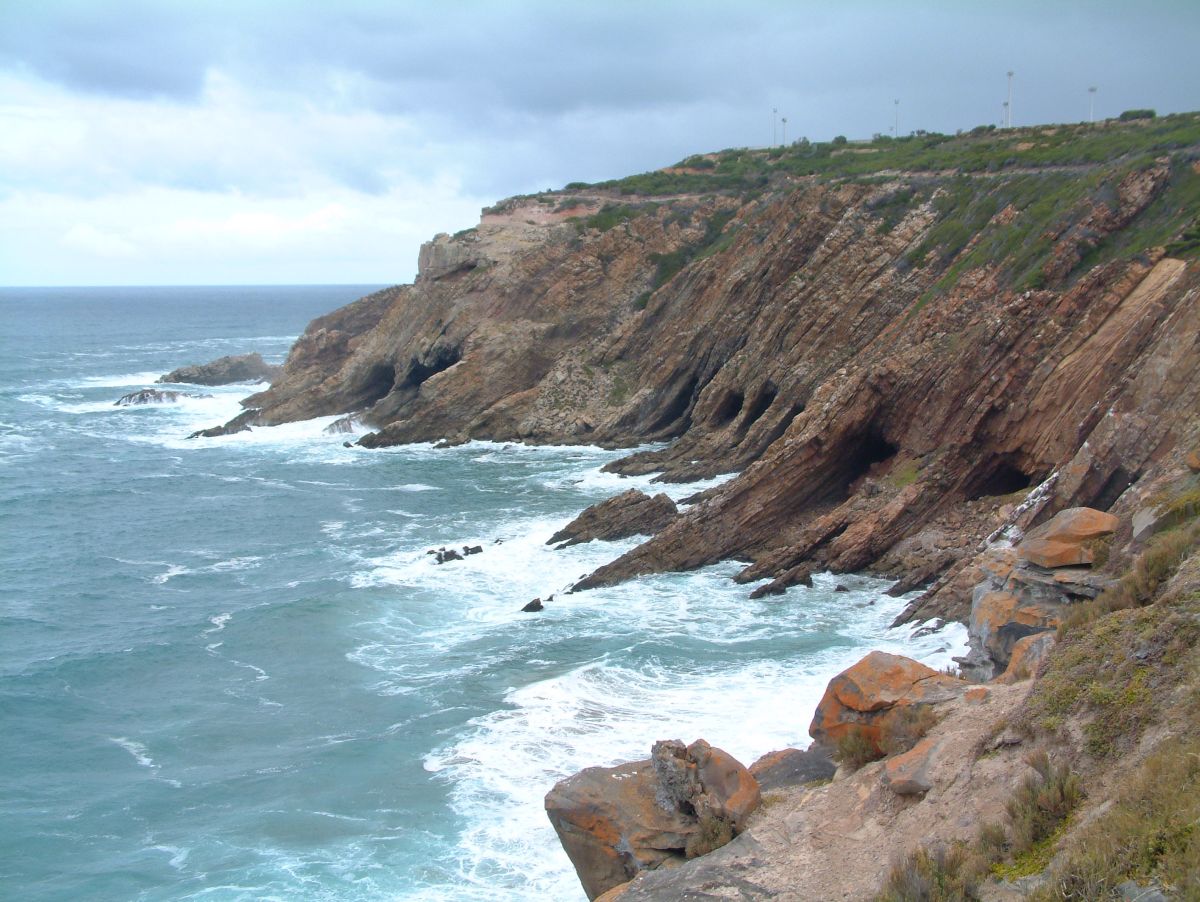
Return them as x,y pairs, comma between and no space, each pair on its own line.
228,669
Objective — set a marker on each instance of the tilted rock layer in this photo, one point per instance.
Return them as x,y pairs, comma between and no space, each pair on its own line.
886,363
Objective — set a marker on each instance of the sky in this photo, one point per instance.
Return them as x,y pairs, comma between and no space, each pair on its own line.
268,142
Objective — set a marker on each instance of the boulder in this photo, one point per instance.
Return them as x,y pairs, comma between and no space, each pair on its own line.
868,697
792,767
1192,461
225,370
533,607
616,821
1027,656
241,423
909,773
628,514
999,620
1068,538
153,396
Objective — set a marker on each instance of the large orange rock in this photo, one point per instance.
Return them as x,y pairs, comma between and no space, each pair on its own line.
1026,657
909,773
867,697
1000,620
1193,461
614,822
1067,538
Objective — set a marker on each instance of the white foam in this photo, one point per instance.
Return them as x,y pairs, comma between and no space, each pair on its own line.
139,752
218,623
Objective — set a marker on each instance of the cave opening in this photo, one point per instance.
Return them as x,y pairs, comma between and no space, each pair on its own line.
762,401
378,382
729,407
436,361
1118,481
675,414
1003,477
856,461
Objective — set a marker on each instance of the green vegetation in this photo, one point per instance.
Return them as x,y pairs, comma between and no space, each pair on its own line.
906,727
714,832
1150,832
983,149
939,874
671,263
611,215
854,750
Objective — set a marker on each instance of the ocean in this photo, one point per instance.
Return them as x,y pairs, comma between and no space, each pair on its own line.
229,670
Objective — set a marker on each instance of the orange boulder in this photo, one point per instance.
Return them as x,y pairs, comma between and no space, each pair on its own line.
1067,539
867,697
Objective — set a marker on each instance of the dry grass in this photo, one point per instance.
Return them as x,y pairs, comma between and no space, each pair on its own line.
854,750
939,874
714,832
1042,802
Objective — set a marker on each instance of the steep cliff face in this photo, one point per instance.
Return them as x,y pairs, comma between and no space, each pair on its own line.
887,357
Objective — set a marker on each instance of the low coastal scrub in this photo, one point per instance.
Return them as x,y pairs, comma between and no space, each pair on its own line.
1150,832
1037,816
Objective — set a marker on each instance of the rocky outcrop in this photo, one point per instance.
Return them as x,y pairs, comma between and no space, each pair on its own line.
153,396
615,822
629,514
886,392
792,767
1069,538
869,698
225,371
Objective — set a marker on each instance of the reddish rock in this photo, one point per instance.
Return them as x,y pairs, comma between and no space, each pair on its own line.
1027,657
1067,538
866,697
909,773
792,767
614,822
1192,461
999,620
977,695
628,514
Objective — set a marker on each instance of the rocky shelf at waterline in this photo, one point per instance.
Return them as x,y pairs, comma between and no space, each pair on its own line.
899,356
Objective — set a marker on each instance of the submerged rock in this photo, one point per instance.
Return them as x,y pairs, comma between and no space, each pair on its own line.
225,371
153,396
241,423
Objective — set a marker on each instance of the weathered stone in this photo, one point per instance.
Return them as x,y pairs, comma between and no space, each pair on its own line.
977,695
792,767
909,773
225,371
533,606
241,423
630,513
865,698
614,822
1027,656
1068,538
999,620
1192,461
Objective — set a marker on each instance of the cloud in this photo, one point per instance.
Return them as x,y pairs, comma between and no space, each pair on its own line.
91,240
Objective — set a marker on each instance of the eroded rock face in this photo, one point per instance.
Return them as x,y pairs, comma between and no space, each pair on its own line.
628,514
617,821
868,697
225,371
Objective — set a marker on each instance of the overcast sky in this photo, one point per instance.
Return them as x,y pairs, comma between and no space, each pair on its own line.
207,142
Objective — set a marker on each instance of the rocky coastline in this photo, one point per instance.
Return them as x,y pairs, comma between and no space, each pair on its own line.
980,381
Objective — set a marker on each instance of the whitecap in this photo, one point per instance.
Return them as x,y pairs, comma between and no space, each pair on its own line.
139,752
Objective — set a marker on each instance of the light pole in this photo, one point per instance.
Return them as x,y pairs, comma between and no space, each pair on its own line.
1004,115
1092,104
1008,103
774,124
784,141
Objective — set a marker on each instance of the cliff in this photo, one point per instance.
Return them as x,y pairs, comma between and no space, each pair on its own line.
892,347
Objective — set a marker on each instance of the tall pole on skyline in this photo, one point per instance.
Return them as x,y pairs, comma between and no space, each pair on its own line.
774,125
1008,103
1092,104
784,130
896,123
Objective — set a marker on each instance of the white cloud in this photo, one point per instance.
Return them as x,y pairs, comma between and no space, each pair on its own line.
91,240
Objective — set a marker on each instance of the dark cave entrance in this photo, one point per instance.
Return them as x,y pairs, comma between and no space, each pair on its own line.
728,408
436,361
378,383
1002,477
762,401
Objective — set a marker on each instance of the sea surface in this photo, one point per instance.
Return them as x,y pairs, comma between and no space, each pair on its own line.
229,670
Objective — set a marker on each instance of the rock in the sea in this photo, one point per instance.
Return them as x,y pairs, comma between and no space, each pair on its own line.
628,514
1068,538
445,555
533,606
153,396
616,821
868,697
241,423
225,371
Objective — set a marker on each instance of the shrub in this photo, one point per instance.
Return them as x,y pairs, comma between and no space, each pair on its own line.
714,832
906,726
1042,801
1130,115
854,750
939,874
